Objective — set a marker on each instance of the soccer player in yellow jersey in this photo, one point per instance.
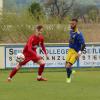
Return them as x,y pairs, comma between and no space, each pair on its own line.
76,46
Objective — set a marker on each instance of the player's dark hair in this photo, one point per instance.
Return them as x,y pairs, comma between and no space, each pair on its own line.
39,27
74,19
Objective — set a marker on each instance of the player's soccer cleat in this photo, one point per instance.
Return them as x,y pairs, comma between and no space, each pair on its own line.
73,71
9,79
41,79
68,80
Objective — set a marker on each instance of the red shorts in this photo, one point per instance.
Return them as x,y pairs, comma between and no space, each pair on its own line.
29,57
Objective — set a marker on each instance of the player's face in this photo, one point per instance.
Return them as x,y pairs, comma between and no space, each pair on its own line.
73,24
39,31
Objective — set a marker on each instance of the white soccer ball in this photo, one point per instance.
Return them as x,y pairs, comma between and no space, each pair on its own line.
20,57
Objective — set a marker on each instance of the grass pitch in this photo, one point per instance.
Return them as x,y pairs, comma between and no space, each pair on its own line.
85,86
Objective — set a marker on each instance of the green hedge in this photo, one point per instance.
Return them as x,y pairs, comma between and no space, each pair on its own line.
18,27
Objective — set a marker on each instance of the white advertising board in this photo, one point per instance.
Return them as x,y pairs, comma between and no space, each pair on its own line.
90,57
57,55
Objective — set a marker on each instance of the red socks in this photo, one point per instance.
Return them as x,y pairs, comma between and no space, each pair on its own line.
14,71
41,69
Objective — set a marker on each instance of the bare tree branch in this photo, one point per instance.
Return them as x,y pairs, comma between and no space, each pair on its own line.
57,7
60,8
66,10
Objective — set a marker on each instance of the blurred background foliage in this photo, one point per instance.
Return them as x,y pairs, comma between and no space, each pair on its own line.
18,21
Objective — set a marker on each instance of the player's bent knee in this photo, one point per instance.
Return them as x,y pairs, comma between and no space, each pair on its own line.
68,64
18,66
42,64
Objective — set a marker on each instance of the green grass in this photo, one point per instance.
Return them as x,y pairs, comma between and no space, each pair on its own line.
85,86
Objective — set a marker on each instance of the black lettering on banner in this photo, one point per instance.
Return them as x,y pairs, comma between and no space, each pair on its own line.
94,51
95,57
11,52
63,51
58,58
66,51
40,51
99,50
63,58
53,57
58,51
10,58
84,51
83,57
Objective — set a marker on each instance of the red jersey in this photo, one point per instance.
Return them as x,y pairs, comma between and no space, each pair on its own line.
33,42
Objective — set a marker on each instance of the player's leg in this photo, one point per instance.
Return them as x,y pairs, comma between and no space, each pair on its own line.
68,65
69,71
40,70
18,66
70,60
14,71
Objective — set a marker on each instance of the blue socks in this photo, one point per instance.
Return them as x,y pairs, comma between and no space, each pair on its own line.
69,71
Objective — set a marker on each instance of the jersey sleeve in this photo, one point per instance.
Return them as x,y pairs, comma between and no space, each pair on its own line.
81,41
29,44
43,46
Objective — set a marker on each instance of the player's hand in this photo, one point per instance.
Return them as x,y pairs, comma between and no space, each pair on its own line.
47,57
79,53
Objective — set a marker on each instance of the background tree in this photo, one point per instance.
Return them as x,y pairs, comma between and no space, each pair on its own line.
59,8
36,10
87,13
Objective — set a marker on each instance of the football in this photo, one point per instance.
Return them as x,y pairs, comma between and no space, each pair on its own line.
20,57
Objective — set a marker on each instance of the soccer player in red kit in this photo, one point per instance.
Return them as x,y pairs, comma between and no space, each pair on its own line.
31,54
